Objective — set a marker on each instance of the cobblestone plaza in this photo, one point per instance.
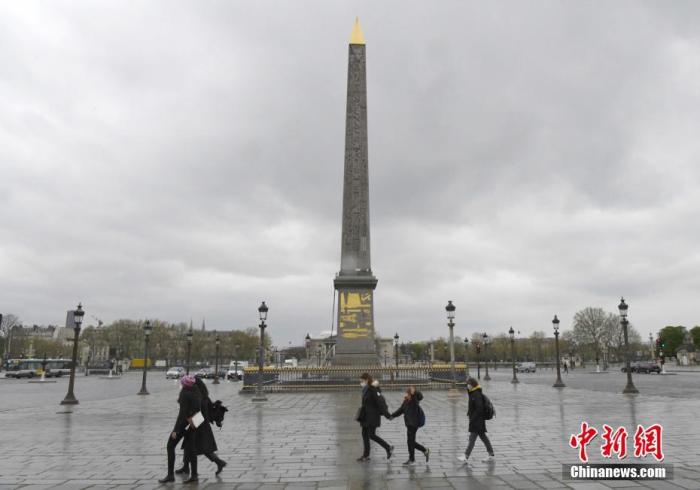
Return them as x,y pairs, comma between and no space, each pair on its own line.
116,439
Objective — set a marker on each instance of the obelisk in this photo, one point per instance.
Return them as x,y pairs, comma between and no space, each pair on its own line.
355,282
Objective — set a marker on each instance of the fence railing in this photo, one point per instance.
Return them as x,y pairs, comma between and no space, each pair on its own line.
347,377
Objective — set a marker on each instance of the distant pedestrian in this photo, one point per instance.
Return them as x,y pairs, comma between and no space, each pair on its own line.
414,418
477,421
370,416
204,442
190,401
566,367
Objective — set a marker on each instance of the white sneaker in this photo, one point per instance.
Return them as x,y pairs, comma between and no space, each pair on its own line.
463,459
488,459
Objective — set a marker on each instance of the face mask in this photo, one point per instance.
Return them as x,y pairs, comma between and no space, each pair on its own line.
469,387
363,383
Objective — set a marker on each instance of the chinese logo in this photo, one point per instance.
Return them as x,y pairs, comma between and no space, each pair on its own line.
647,441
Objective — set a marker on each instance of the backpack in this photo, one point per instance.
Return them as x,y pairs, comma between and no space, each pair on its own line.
421,417
383,408
216,413
489,411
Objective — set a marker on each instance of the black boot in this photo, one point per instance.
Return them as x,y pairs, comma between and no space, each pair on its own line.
194,478
185,470
168,478
219,465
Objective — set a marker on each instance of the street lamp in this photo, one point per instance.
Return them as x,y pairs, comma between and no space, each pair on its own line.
189,335
396,349
318,356
477,348
555,323
630,388
487,341
235,360
308,349
78,314
466,351
147,329
259,395
511,332
217,341
450,309
384,357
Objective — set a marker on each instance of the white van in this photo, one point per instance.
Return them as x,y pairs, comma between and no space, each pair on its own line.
526,367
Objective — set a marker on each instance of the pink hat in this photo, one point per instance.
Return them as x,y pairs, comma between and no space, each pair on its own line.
187,380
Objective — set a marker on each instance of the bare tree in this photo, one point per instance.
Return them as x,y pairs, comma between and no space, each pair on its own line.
7,323
589,329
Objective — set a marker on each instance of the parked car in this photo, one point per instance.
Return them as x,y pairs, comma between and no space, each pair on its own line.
235,374
648,367
204,373
634,367
175,373
526,367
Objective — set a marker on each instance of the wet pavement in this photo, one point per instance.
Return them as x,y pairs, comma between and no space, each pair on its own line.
116,439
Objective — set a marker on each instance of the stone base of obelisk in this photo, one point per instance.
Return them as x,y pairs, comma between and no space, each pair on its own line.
357,360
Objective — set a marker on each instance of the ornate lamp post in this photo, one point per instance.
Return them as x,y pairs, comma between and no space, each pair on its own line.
384,357
235,360
477,348
259,395
511,332
466,352
555,323
217,341
147,329
78,314
450,309
396,349
189,335
487,341
630,388
308,349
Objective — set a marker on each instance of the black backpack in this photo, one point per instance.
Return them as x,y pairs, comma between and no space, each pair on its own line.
421,416
489,411
383,408
216,413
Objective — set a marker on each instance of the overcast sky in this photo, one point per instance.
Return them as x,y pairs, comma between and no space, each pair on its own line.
181,160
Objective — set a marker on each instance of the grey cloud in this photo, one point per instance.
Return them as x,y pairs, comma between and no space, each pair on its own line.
179,160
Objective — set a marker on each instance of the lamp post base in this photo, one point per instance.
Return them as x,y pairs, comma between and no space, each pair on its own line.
70,400
630,390
216,381
487,377
514,381
559,384
143,391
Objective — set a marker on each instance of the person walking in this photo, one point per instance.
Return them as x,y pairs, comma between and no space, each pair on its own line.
477,421
414,418
566,366
370,416
204,442
190,402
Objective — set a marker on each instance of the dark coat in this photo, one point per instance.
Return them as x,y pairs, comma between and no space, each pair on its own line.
475,412
204,441
410,409
371,411
190,402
